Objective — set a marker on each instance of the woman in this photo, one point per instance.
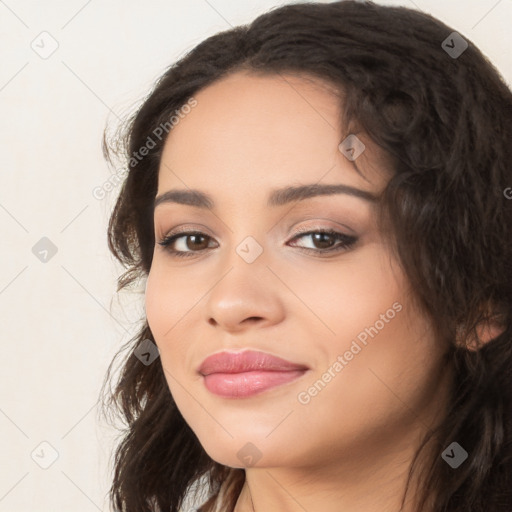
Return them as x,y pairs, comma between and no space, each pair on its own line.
318,203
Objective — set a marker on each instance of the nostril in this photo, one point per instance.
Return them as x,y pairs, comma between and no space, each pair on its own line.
253,318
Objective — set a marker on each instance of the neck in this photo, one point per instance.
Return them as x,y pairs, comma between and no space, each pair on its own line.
375,484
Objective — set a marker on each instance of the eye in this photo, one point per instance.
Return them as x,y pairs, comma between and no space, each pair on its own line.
168,241
327,238
194,242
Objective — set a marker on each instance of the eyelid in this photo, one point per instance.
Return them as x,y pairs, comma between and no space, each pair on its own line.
186,229
303,229
329,224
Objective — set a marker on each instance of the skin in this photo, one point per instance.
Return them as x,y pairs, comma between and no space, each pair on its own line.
348,448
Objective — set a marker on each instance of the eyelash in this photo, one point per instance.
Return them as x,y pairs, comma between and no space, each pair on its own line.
346,242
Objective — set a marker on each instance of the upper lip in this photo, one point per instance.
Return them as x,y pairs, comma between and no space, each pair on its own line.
238,362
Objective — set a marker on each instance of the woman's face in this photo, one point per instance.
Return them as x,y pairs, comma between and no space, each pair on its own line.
370,377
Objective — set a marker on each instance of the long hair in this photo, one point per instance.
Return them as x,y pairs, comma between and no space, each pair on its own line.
445,121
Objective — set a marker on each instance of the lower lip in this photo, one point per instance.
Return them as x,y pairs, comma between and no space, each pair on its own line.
238,385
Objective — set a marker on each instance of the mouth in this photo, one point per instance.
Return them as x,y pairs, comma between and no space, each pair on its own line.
243,374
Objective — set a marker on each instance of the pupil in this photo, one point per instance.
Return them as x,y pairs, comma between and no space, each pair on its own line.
324,238
195,237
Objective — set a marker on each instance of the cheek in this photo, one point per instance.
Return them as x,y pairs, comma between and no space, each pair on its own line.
349,295
364,305
167,301
378,389
159,302
165,311
170,294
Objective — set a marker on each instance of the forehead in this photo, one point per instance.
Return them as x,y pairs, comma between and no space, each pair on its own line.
263,130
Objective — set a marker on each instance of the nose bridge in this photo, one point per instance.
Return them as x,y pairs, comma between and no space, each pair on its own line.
247,231
246,251
247,257
251,249
244,286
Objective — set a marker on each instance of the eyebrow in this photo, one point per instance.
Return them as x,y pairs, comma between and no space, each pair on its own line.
278,197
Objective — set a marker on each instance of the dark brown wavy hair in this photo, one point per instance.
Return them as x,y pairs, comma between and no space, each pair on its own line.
445,122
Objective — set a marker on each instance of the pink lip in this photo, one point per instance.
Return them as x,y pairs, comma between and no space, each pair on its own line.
240,374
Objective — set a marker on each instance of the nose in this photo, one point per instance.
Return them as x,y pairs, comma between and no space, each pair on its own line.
246,294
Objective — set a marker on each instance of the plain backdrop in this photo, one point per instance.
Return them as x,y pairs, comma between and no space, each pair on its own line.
61,318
